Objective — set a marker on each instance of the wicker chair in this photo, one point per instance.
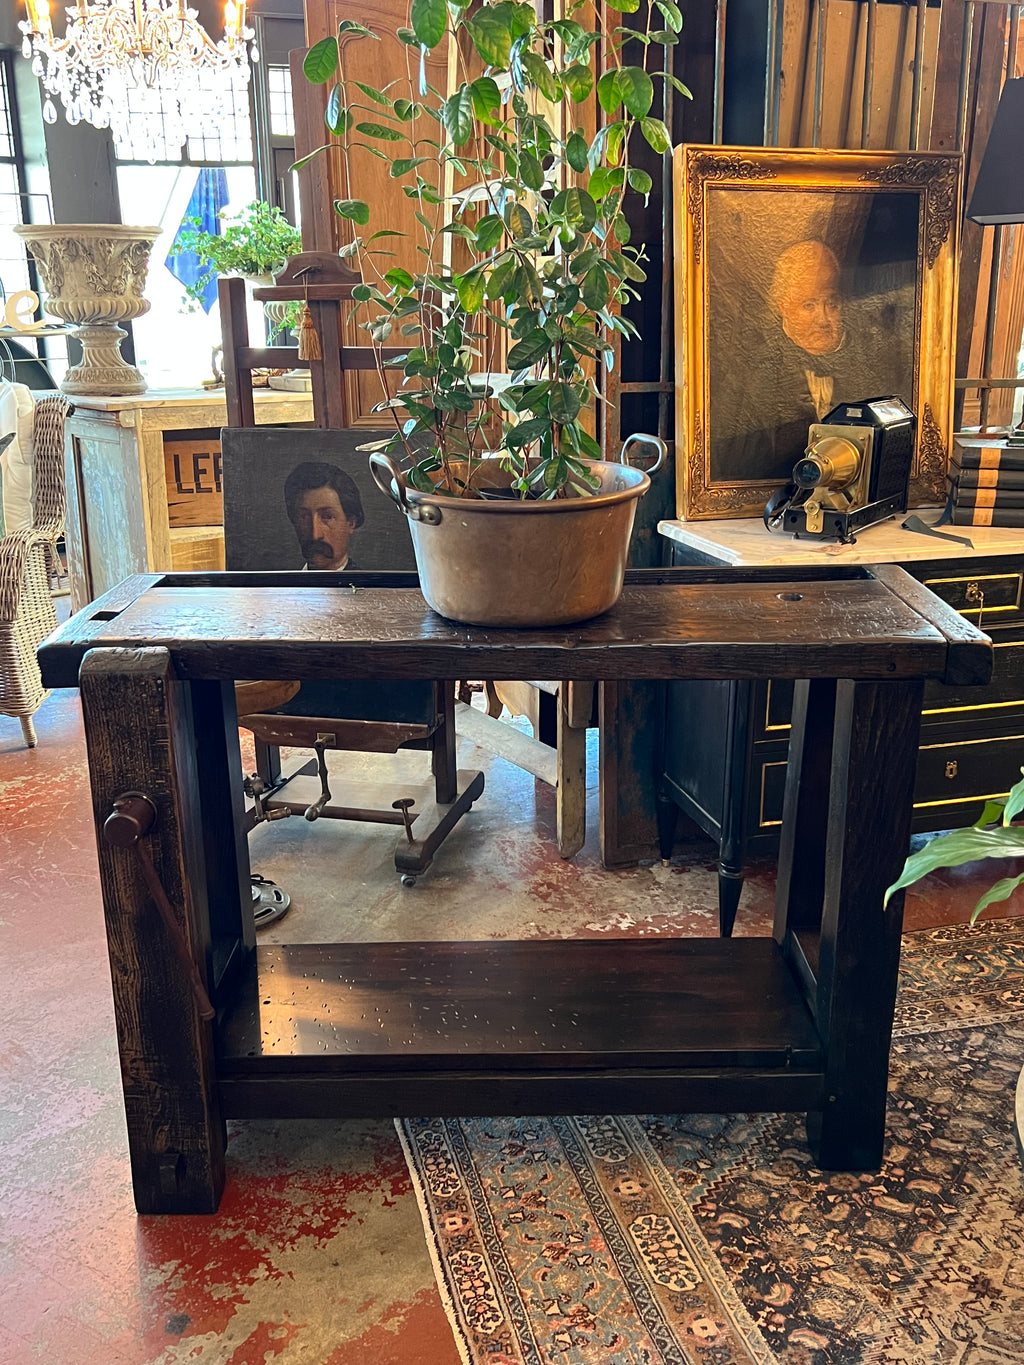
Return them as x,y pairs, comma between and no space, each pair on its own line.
28,560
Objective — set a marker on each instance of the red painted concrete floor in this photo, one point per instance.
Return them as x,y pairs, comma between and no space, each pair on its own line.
316,1255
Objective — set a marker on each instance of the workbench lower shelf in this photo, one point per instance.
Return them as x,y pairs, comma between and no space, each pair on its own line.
551,1026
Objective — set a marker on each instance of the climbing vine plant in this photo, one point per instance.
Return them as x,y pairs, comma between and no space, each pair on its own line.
521,225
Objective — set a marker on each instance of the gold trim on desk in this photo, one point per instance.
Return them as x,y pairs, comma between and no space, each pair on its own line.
967,579
762,823
962,743
960,800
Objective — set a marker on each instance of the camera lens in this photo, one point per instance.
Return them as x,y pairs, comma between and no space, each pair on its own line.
807,474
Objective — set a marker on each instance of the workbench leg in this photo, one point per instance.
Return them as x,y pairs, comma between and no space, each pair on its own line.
800,883
571,788
141,738
874,763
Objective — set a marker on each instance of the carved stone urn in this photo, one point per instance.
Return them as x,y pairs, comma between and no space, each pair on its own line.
94,274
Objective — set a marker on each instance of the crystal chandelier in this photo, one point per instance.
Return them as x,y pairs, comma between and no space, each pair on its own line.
122,59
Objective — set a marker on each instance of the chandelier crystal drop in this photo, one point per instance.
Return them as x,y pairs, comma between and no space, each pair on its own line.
119,59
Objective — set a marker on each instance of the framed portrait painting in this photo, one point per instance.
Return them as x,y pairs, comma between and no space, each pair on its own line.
305,499
806,279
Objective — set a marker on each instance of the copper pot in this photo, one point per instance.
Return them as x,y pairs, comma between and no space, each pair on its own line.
513,563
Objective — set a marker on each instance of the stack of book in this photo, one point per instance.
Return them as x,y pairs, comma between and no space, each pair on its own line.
987,475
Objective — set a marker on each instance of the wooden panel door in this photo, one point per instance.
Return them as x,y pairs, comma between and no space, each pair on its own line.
362,176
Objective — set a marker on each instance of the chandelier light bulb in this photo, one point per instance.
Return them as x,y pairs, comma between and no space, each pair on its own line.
114,50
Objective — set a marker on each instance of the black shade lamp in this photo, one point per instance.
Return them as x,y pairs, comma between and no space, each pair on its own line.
998,196
999,190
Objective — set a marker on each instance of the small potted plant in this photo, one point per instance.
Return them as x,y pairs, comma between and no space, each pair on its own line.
255,244
524,263
993,835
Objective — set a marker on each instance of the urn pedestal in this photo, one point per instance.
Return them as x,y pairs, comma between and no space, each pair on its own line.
94,275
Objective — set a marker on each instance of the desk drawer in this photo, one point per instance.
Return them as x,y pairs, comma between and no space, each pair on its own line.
996,595
967,770
1001,699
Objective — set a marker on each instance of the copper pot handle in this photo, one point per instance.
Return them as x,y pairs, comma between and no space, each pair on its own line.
388,478
645,438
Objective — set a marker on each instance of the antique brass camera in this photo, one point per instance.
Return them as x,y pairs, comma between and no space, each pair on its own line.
854,472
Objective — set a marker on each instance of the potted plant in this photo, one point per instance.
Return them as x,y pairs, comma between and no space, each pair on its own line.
524,263
993,835
255,244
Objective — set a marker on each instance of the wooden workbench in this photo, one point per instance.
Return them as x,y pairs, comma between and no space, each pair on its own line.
798,1021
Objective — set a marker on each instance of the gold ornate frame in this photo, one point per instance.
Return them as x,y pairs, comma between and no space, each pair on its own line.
936,180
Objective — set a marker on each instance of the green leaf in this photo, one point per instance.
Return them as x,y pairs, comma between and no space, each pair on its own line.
529,285
321,61
578,80
541,75
621,230
991,815
492,35
672,15
378,130
530,171
533,347
624,6
361,293
998,891
404,109
354,209
486,99
501,277
604,179
471,290
457,115
596,290
404,164
576,206
518,221
429,19
640,180
563,402
374,94
489,232
676,83
385,232
608,93
357,30
655,134
1014,802
956,847
399,278
636,89
336,116
576,152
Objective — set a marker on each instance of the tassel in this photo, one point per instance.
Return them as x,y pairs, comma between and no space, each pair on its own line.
309,340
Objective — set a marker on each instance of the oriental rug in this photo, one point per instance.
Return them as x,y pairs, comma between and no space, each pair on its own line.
714,1240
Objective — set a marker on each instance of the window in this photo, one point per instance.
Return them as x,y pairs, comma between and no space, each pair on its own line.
279,95
174,341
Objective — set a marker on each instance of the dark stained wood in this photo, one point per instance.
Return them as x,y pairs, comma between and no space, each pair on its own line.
591,1026
745,628
234,326
366,736
625,1091
576,1003
801,870
631,738
965,664
140,738
218,763
874,753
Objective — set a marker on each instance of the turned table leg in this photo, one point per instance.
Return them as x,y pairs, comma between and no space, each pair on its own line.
143,738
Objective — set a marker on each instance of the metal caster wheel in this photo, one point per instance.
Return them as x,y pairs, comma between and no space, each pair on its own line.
269,902
408,879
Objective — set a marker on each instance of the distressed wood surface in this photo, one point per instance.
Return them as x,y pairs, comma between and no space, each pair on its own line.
141,737
740,624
